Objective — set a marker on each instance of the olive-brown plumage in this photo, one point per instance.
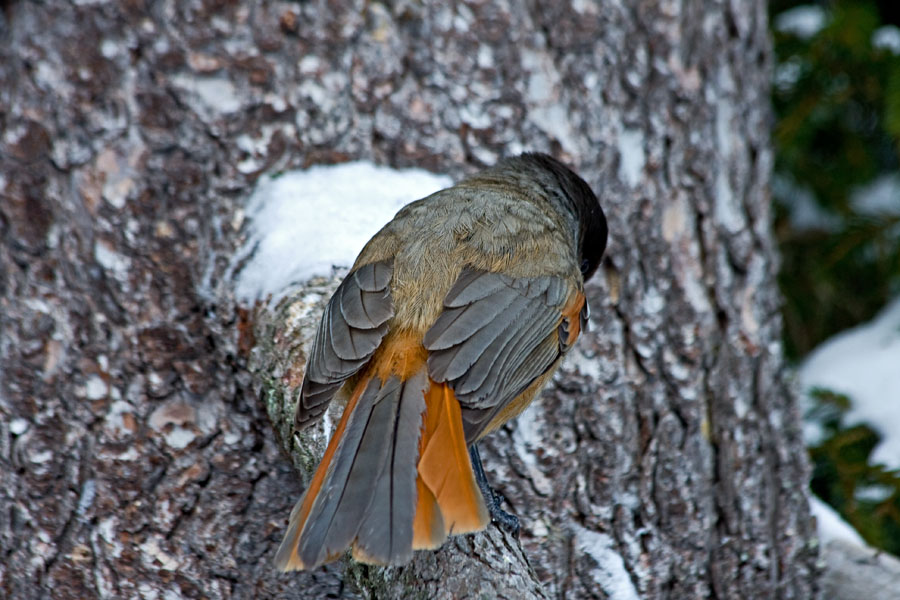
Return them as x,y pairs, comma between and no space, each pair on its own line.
451,320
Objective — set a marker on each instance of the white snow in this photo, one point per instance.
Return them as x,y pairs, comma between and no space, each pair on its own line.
42,457
179,437
880,197
217,94
548,110
485,56
88,493
788,73
888,38
588,366
830,524
631,156
153,553
18,426
109,48
873,493
610,574
526,440
95,388
727,203
653,301
803,21
304,223
111,260
115,419
864,364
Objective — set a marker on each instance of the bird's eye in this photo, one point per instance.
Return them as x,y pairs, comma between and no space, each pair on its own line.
585,266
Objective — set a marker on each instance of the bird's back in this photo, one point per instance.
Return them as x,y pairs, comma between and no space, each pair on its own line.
494,229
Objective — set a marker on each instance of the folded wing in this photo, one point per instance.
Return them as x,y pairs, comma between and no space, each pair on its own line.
497,335
353,325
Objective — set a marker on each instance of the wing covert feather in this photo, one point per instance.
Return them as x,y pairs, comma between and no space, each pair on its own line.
352,327
497,334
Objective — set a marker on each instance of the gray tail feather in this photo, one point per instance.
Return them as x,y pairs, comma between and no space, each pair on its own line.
368,497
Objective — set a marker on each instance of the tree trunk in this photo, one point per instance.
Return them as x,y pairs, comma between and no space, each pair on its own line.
665,461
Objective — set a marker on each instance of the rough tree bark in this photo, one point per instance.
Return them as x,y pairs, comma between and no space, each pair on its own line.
137,460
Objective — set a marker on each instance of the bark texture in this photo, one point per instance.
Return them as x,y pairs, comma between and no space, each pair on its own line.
136,457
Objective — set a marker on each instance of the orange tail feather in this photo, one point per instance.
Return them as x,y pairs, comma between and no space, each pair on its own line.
428,524
445,471
446,500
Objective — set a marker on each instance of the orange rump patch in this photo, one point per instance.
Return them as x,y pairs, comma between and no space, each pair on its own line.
401,354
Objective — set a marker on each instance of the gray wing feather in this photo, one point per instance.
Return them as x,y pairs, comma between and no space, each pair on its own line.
341,342
473,285
476,419
461,356
456,326
557,291
354,311
519,358
352,327
494,337
376,276
538,360
487,376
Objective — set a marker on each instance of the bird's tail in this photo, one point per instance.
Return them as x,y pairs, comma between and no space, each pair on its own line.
396,475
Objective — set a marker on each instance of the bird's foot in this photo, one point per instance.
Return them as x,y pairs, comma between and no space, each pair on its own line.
493,499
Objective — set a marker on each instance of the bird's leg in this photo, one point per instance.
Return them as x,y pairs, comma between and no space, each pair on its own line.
508,521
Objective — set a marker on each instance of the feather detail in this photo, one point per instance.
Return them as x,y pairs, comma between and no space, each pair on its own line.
446,469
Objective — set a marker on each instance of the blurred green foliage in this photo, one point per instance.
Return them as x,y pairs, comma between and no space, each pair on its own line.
867,495
837,102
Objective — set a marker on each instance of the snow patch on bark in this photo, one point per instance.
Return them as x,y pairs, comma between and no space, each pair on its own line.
305,223
728,209
548,111
631,156
610,574
527,438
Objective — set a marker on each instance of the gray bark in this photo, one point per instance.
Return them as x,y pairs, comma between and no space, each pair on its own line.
136,457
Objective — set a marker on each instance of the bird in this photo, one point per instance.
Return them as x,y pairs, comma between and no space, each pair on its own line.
451,320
